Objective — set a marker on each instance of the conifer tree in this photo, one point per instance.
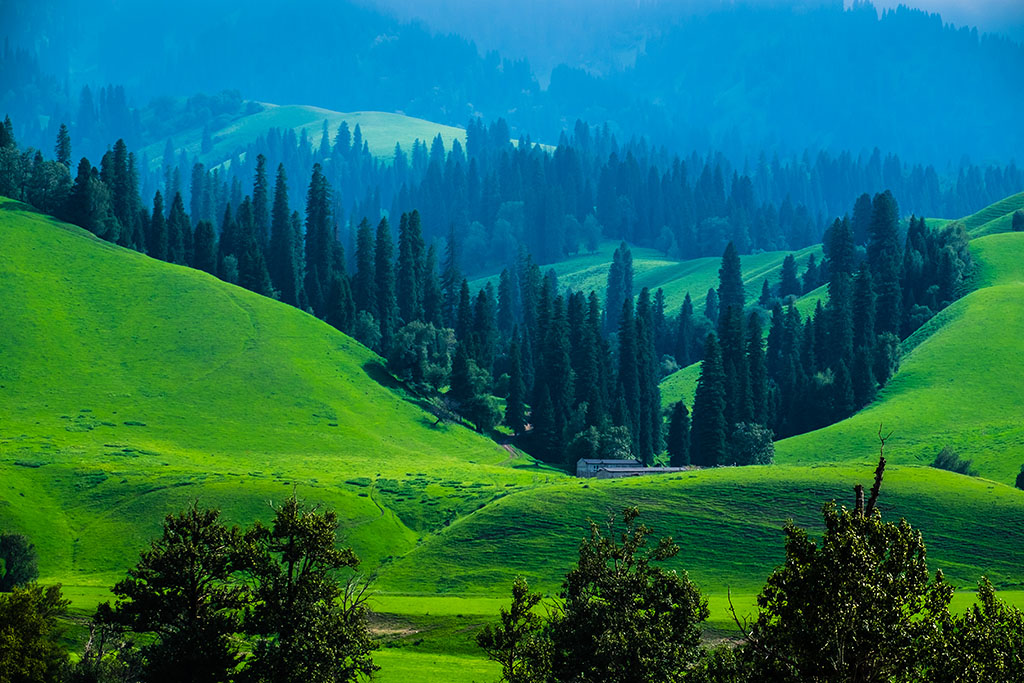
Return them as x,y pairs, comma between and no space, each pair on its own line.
620,285
730,281
156,240
341,310
433,299
758,371
765,300
485,332
515,405
843,398
62,149
252,269
558,378
679,436
711,308
860,223
649,435
227,246
451,279
733,345
319,241
179,232
464,317
260,212
885,260
384,272
789,284
205,248
863,309
284,272
708,435
685,333
364,284
410,268
628,382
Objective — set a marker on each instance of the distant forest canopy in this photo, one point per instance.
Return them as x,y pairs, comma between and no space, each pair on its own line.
739,78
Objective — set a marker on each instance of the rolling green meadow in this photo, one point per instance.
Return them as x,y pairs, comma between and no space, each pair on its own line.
130,387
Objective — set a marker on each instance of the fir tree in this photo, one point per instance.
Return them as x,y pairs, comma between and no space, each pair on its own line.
410,268
765,300
341,310
885,260
711,307
758,371
364,284
679,436
62,150
433,298
515,405
863,309
179,232
260,212
464,317
384,273
205,248
685,333
319,241
628,383
730,281
451,279
284,273
620,284
252,269
708,436
156,240
843,398
649,437
789,284
485,332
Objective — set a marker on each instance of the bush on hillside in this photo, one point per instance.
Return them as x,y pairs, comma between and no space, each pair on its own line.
949,460
18,562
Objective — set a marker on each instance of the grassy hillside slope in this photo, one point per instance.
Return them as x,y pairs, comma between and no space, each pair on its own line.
654,270
381,130
959,384
727,522
129,386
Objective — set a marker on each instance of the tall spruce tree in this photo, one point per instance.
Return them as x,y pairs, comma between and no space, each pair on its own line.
156,240
711,307
384,272
205,248
863,309
515,405
758,371
252,269
179,232
678,442
789,283
885,260
451,279
364,284
62,149
260,196
685,333
628,379
708,433
620,285
730,281
410,268
433,298
649,436
319,241
282,256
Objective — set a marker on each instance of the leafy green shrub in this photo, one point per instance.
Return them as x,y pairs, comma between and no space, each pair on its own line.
949,460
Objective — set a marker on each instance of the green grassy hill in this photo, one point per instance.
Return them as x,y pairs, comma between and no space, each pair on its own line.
381,130
958,384
130,386
654,270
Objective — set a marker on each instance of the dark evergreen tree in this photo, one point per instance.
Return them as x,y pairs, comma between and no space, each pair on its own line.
711,307
708,435
730,281
678,442
341,310
758,383
765,300
843,398
384,273
464,317
156,240
860,223
885,260
179,233
260,196
485,331
863,378
205,248
620,285
628,379
733,344
433,298
364,284
515,405
410,268
283,252
252,269
649,436
319,241
863,309
451,279
62,150
685,334
789,284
